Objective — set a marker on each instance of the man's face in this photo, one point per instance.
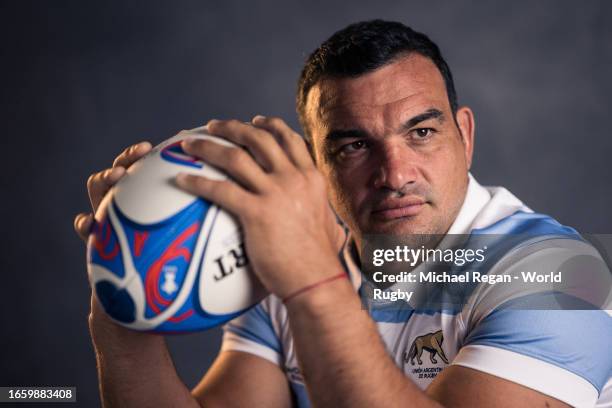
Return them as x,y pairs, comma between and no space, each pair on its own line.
394,158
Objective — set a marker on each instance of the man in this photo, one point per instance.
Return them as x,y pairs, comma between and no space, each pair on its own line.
392,152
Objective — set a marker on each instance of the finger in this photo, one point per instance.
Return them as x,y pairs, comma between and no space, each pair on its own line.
99,183
82,225
290,141
131,154
260,143
236,162
226,194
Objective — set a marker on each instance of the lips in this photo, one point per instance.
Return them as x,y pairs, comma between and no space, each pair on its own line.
398,208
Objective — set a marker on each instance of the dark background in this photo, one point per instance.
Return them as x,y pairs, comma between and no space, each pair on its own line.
82,80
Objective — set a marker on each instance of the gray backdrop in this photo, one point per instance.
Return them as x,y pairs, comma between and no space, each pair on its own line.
82,80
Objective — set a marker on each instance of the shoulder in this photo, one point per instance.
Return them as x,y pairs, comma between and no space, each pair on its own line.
553,320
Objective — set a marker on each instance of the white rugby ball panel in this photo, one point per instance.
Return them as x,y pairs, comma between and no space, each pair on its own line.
226,284
151,180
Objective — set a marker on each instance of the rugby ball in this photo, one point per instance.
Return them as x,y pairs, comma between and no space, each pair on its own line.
162,260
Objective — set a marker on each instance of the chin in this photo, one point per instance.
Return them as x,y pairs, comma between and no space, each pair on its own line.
403,226
410,232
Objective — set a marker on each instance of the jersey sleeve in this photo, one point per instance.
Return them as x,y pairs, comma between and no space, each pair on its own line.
253,332
550,339
561,353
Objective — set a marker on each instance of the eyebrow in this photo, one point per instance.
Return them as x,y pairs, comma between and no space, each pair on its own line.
339,134
344,134
431,113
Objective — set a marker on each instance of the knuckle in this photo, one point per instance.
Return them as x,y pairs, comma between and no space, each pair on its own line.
297,138
215,189
315,177
130,151
229,124
266,136
250,137
213,125
235,157
133,148
278,188
274,121
286,138
314,173
306,181
199,183
80,224
76,223
124,152
91,180
119,159
195,146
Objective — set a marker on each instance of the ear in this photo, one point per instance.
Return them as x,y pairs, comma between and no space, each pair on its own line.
465,122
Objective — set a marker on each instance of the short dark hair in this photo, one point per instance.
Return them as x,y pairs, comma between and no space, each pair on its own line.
364,47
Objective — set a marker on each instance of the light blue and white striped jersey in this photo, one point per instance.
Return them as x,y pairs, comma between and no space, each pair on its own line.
566,354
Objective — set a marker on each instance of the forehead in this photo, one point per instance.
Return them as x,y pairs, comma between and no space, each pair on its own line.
407,86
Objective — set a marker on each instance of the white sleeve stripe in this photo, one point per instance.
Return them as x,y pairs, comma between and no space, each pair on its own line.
233,342
529,372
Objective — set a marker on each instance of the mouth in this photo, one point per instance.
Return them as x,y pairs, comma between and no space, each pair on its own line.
398,208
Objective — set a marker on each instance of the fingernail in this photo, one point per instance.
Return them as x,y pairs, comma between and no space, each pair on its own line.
188,142
257,118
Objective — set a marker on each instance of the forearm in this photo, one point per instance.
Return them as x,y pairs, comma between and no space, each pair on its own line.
136,369
343,359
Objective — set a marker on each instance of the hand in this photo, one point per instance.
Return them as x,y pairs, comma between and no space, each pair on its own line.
291,234
98,185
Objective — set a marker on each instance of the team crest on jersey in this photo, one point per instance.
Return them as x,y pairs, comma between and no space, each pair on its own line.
432,343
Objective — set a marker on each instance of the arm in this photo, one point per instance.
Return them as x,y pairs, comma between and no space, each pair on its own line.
459,386
135,369
346,364
238,379
343,360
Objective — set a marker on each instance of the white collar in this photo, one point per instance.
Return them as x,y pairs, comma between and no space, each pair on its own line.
476,198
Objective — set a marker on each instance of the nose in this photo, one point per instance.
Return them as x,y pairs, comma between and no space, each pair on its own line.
396,168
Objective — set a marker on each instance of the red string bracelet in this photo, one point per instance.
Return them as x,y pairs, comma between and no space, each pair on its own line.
314,285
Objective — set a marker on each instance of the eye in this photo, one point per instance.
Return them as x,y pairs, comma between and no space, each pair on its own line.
353,147
423,133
